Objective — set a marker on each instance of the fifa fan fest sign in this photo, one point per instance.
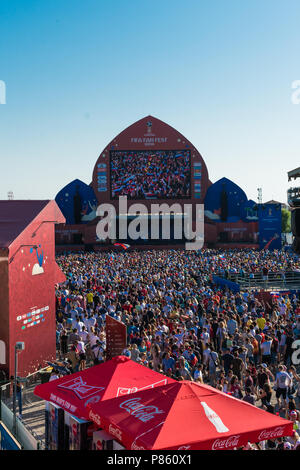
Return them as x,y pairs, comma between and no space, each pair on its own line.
149,138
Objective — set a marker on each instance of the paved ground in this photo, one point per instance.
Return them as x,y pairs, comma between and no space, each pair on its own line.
33,415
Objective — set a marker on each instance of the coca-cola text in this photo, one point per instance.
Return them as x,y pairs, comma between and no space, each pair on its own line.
230,442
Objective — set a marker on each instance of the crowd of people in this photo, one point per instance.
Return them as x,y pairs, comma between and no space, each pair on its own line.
182,324
150,174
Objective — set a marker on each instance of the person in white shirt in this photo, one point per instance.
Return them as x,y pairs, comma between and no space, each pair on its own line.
91,322
282,383
97,353
78,324
84,335
265,348
80,349
198,375
111,309
205,336
206,354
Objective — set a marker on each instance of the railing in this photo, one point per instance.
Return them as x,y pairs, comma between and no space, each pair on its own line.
25,434
289,280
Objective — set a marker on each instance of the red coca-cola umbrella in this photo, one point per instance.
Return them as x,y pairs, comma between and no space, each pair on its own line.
185,415
118,377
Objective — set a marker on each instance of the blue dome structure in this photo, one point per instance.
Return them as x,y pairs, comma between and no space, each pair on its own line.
225,201
77,202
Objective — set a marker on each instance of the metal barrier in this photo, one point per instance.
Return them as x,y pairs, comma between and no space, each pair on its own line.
25,434
289,280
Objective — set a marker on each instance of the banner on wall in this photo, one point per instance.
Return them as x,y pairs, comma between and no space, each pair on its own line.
269,226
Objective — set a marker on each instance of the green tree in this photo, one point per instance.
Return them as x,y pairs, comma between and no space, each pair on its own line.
286,220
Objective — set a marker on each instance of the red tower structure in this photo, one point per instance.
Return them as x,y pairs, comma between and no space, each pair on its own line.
28,274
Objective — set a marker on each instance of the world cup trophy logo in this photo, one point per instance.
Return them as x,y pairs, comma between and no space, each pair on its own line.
149,127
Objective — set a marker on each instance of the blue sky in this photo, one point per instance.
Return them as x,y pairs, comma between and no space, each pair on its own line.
78,72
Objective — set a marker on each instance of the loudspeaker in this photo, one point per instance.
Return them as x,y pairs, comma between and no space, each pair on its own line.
295,222
77,207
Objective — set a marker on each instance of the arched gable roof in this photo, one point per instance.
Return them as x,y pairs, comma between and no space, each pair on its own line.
149,133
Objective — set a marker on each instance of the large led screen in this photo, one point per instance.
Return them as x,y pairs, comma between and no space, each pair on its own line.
158,174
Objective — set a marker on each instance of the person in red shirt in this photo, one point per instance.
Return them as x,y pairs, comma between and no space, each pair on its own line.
127,306
144,291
